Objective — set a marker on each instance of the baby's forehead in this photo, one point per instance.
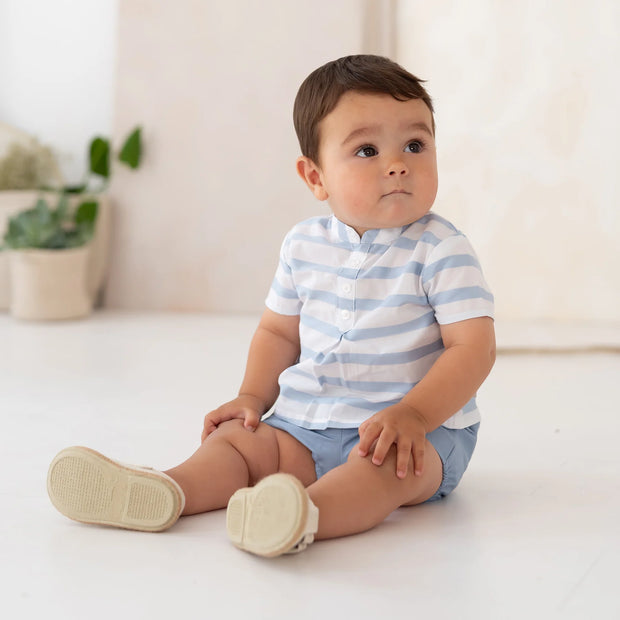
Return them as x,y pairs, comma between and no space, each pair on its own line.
375,108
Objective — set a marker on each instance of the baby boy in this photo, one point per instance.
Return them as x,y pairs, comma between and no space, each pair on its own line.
378,331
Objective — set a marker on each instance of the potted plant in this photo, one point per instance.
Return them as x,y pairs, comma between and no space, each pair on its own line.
51,249
48,260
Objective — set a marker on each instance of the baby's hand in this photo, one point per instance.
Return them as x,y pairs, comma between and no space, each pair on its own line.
399,424
245,407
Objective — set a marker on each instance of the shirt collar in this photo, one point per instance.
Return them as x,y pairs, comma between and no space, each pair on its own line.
347,234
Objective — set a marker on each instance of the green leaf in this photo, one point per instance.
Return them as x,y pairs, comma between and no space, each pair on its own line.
62,208
56,241
132,149
100,157
41,227
86,213
30,226
74,189
41,211
13,237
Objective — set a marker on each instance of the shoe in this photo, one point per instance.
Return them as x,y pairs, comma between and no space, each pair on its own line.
274,517
88,487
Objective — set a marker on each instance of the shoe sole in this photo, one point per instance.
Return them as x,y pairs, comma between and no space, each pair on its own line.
88,487
269,518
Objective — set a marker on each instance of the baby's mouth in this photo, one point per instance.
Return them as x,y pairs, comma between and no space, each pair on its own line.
396,192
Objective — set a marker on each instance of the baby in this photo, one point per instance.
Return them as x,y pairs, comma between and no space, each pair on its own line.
377,333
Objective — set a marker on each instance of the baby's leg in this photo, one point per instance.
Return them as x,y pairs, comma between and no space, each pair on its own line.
87,486
232,458
358,495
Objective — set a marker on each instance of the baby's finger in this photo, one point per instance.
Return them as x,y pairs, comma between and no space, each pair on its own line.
384,443
418,457
251,420
211,422
403,456
208,428
368,435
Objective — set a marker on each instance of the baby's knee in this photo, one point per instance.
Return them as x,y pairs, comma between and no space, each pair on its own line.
229,428
232,432
258,448
244,440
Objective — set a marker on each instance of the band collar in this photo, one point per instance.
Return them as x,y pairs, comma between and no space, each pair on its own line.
347,234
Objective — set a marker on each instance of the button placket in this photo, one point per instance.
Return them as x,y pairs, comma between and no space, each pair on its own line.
347,291
344,313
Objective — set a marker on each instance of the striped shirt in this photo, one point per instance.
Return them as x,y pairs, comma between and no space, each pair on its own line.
370,311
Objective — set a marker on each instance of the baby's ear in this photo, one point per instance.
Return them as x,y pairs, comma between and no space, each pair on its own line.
311,175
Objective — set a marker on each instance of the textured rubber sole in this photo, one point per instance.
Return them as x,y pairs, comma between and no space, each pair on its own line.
270,518
88,487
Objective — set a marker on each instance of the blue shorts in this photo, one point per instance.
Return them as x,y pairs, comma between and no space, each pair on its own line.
330,448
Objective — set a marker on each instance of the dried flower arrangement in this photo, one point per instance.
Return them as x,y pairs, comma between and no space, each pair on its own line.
28,165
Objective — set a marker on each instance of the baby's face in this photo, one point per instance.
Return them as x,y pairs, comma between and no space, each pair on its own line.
378,163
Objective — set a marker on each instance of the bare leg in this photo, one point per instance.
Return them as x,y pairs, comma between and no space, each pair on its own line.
358,495
232,458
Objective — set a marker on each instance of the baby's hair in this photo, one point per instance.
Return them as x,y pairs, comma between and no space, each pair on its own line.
322,89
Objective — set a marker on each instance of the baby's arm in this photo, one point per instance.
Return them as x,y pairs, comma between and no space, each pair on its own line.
275,347
449,384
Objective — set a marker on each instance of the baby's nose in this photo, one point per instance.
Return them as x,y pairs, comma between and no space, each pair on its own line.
397,168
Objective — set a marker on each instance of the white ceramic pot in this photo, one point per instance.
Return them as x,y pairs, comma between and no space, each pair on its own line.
13,202
50,284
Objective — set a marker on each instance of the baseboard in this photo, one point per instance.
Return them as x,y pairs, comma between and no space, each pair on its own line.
557,336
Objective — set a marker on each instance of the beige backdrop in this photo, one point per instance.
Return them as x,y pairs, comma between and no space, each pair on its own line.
526,97
527,111
200,225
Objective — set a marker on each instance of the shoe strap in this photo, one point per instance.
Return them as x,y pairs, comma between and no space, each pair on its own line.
302,544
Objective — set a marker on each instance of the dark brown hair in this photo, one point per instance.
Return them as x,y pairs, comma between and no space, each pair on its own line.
322,89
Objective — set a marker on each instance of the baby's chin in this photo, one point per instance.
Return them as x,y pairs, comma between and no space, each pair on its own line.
397,214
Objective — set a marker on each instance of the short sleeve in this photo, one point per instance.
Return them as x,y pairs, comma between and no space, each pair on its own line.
282,297
454,283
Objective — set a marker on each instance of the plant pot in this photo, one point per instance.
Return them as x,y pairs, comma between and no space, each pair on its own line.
14,201
50,284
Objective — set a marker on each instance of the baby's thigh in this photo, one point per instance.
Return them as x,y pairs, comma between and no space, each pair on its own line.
412,489
295,457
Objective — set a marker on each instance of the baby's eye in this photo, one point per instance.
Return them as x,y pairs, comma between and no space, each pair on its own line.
414,147
367,151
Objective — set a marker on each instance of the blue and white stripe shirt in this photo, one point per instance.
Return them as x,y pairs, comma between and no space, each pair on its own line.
370,311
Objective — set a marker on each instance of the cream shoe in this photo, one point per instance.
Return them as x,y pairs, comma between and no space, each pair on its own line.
274,517
86,486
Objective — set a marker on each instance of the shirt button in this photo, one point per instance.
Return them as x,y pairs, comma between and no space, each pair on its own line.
345,314
346,288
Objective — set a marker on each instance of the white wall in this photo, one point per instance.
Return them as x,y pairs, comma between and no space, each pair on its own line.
527,97
200,225
57,73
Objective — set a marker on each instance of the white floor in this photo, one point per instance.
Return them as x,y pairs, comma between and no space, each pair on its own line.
533,530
